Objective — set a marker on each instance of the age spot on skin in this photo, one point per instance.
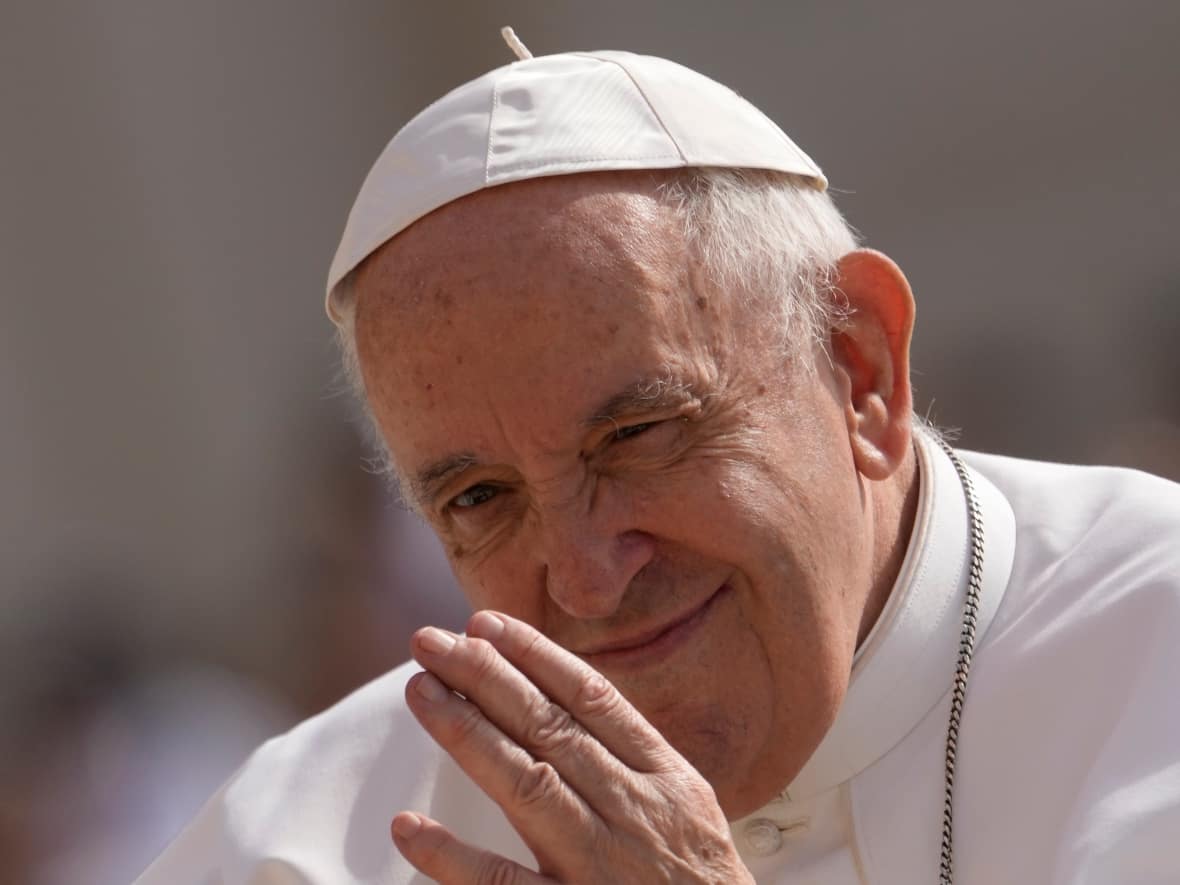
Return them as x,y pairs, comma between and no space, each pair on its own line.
702,302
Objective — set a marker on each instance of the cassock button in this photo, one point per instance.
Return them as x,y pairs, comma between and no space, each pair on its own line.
763,837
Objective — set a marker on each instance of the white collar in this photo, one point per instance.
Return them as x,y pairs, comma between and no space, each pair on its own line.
907,662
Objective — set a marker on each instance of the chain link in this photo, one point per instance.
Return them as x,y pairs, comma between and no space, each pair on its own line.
963,664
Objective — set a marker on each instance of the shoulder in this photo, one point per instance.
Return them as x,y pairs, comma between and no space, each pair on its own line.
366,749
1093,598
1096,549
1102,522
1035,486
314,804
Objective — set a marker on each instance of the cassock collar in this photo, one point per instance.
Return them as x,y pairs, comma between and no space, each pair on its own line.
907,662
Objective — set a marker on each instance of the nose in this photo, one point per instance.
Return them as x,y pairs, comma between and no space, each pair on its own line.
590,558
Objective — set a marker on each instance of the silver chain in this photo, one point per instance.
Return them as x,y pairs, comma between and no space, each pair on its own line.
963,664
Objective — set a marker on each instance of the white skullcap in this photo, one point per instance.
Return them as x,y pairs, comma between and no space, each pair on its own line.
556,115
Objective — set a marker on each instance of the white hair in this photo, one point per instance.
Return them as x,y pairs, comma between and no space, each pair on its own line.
770,238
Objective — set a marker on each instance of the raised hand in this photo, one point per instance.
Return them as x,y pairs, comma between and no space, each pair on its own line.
593,789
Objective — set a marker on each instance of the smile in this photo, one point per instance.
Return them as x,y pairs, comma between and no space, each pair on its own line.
654,645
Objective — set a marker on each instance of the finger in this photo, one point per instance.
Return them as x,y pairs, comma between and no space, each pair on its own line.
475,669
436,853
543,808
577,687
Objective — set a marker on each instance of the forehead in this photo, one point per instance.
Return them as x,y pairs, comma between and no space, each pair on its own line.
593,221
502,319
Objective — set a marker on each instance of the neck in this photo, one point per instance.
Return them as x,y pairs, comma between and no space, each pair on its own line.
894,505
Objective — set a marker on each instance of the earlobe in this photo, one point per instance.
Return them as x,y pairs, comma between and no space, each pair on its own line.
871,351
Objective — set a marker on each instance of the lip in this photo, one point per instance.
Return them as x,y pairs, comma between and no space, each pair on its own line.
655,644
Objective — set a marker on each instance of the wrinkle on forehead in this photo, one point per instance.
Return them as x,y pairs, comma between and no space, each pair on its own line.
609,217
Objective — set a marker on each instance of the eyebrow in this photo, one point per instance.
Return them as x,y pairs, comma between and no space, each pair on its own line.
646,395
427,481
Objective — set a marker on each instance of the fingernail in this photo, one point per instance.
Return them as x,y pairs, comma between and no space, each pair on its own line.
429,687
486,625
436,641
406,825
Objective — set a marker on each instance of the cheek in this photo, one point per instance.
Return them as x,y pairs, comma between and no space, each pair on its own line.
794,529
744,509
503,581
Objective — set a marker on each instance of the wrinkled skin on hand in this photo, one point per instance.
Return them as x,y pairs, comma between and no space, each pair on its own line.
593,789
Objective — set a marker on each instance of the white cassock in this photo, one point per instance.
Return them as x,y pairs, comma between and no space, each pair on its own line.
1068,759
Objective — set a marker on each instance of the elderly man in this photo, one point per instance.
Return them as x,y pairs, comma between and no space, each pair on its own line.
739,618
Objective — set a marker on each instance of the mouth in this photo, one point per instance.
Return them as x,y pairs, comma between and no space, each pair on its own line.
650,646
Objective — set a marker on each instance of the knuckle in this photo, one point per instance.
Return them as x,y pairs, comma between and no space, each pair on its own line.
466,724
595,696
485,660
537,785
549,729
531,648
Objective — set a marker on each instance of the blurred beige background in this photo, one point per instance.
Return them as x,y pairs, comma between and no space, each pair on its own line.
192,554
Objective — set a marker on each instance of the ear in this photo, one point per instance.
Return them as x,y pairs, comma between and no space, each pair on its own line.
871,356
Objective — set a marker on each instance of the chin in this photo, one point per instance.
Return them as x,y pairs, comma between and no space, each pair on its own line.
745,768
743,785
719,752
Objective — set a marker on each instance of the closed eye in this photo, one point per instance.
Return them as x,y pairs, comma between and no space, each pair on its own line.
630,430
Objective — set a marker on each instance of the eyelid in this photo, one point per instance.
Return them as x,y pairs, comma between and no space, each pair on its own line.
621,430
671,418
683,412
